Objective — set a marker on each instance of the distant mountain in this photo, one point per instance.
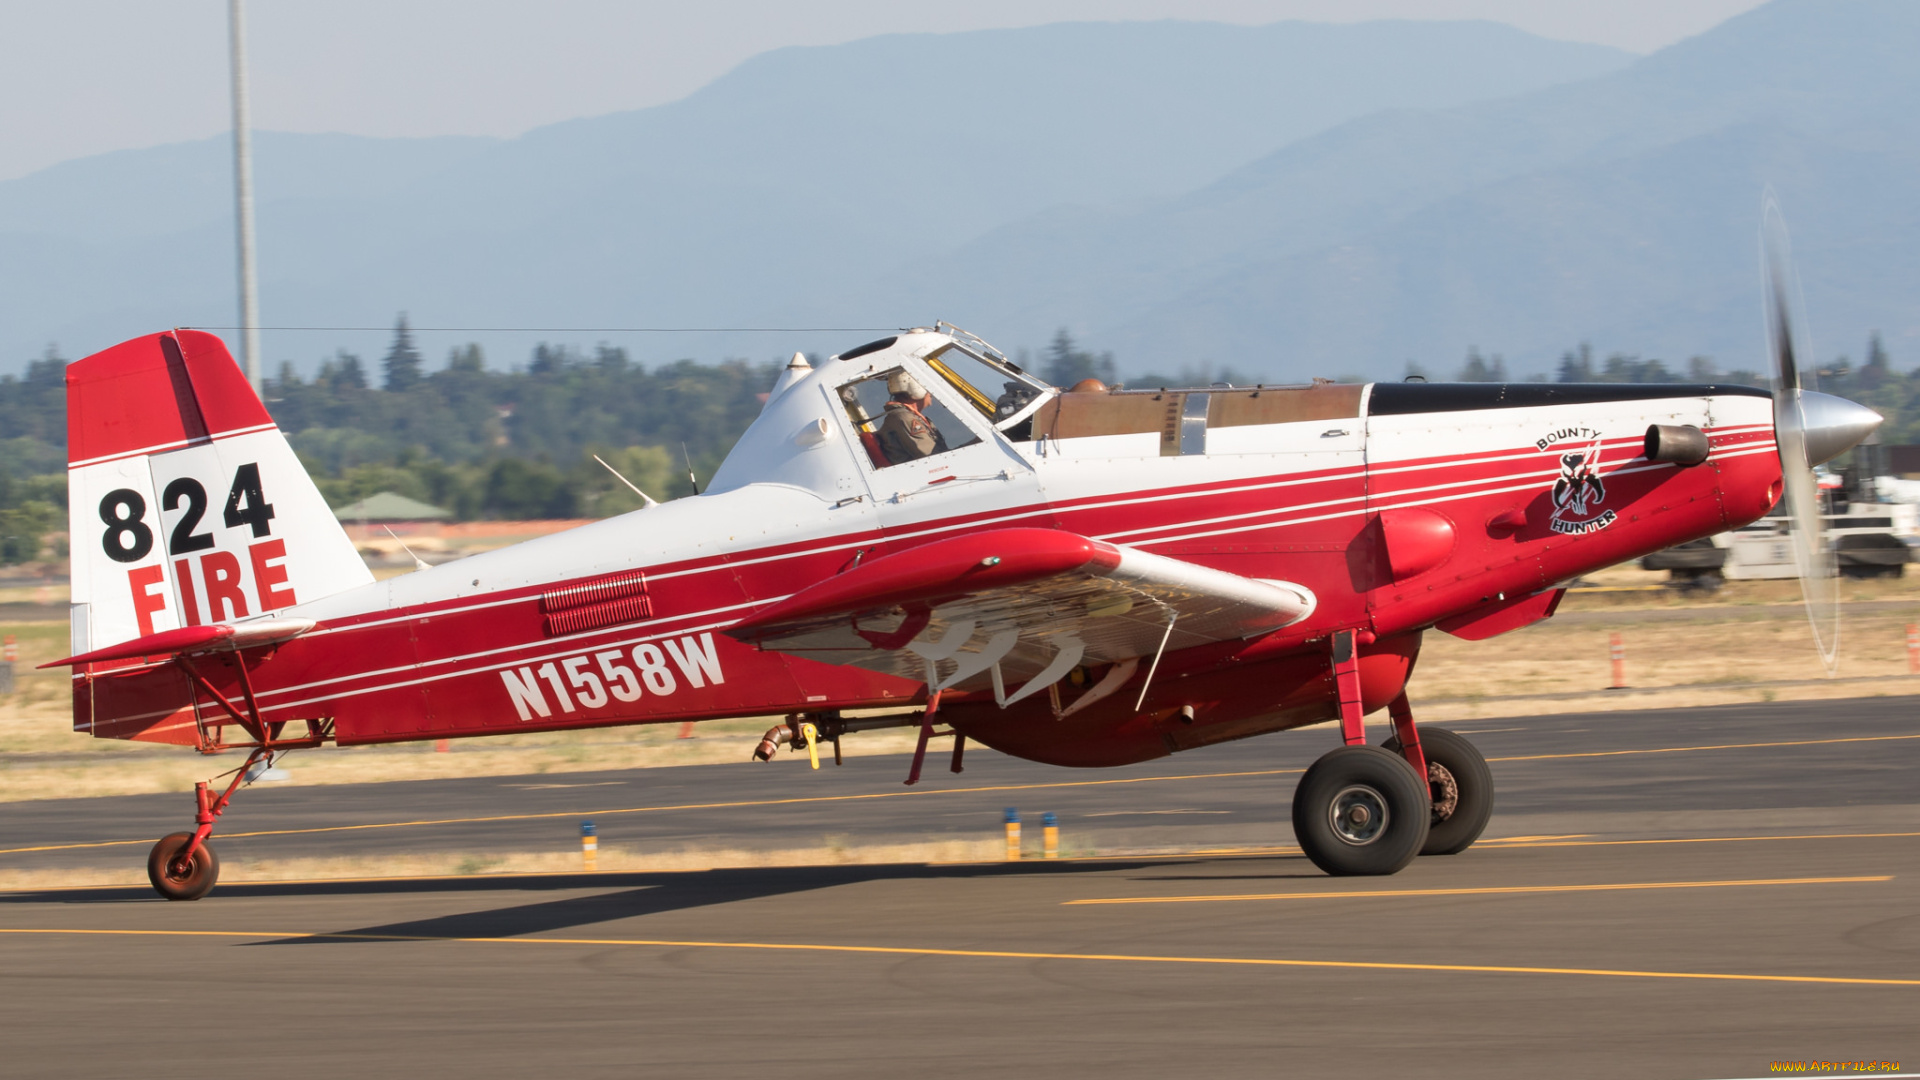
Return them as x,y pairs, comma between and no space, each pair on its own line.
817,186
137,194
1623,210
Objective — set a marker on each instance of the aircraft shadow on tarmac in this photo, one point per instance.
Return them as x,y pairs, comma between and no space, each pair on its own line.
661,893
634,895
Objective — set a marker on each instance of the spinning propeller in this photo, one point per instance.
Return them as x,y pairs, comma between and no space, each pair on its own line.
1810,429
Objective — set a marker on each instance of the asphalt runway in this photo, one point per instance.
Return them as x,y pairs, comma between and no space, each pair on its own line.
1676,893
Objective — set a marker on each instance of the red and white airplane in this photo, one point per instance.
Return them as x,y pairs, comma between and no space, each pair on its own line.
1089,577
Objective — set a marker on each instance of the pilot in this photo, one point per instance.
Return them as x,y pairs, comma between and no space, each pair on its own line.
905,432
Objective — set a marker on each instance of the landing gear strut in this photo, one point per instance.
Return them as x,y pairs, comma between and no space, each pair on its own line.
182,866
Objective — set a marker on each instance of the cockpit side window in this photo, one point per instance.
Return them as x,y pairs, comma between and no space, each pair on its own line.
1002,393
898,420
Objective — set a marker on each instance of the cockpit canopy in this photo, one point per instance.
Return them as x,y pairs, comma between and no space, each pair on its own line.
944,398
898,418
968,392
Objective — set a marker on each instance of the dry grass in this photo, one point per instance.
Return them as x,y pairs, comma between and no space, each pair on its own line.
40,758
1751,635
1632,587
52,597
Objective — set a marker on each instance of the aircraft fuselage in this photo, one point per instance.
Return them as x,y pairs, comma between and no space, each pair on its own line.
1398,506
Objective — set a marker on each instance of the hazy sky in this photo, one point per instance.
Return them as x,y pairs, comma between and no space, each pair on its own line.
85,76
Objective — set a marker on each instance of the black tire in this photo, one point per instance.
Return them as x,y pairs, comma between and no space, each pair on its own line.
1361,810
199,876
1455,763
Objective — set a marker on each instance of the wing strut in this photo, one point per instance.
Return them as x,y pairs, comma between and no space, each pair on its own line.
1172,617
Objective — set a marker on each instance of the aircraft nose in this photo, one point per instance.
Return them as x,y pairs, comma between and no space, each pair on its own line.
1834,425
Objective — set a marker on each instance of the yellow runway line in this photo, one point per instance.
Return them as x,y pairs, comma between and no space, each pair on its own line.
1691,749
905,795
1499,890
993,954
1706,840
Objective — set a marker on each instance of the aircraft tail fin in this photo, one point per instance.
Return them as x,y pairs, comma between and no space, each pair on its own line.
187,505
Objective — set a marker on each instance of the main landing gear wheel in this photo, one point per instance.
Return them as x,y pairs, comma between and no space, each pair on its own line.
1461,787
178,880
1361,810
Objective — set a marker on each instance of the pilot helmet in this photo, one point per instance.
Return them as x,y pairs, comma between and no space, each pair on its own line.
900,382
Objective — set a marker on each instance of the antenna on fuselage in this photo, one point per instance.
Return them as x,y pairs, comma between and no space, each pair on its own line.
644,497
689,457
418,562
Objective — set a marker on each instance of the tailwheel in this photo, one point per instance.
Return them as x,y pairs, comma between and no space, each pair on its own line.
178,878
1461,788
1360,810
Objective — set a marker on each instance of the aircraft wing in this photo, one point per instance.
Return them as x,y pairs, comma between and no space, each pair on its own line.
1019,606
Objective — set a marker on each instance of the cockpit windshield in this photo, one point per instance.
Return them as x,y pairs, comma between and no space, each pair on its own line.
1004,394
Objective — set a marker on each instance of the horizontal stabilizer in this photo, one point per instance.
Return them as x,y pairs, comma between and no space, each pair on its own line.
217,637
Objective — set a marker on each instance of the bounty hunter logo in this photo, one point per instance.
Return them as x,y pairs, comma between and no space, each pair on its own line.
1577,491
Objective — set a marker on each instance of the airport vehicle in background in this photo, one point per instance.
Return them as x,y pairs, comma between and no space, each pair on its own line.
1088,577
1867,539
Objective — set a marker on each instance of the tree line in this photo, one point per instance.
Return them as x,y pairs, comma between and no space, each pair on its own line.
514,444
1872,382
